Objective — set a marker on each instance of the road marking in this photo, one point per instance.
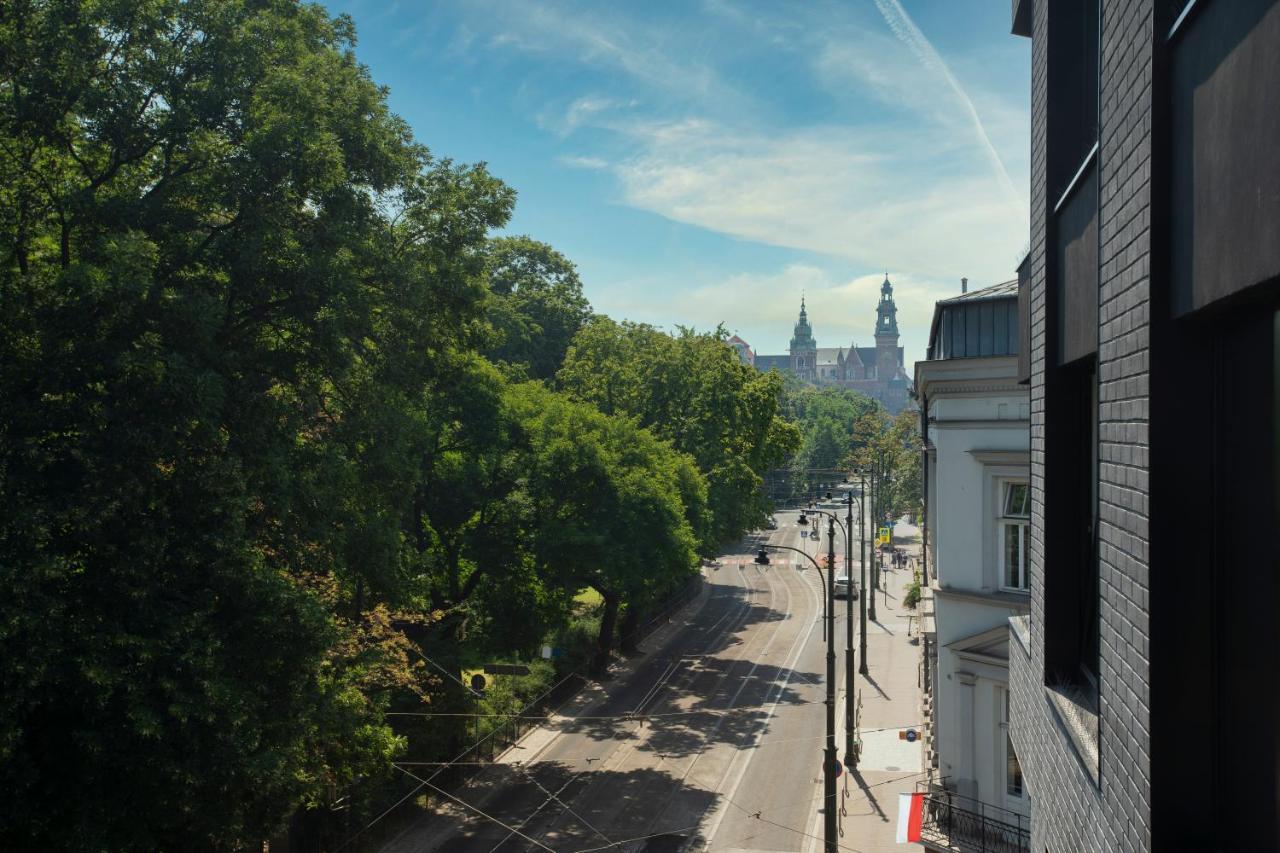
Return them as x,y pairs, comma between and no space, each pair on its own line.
792,659
743,681
620,754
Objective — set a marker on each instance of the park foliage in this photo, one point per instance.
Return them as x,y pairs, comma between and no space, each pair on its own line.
291,435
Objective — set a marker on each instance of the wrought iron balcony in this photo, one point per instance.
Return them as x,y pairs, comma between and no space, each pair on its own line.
966,825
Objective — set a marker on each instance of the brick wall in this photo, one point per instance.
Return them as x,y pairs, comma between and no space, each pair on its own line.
1070,812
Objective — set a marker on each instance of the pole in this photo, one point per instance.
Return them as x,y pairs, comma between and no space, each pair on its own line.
862,561
831,764
875,537
850,757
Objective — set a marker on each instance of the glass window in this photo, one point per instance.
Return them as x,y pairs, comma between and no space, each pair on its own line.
1017,500
1012,768
1014,529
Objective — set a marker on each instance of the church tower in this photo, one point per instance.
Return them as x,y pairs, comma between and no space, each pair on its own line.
804,349
887,363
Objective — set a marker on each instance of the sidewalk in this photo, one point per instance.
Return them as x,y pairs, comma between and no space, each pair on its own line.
891,703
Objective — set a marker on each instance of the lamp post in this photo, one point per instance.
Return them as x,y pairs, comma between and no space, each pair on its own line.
830,763
869,608
850,754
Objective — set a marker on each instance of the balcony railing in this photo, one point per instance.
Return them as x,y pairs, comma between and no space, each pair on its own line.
966,825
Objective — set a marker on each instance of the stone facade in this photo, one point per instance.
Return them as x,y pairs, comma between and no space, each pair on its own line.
975,419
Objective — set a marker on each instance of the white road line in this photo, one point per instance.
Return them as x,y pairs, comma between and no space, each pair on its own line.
733,701
793,658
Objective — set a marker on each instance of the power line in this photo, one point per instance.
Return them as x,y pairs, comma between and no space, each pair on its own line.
478,811
585,822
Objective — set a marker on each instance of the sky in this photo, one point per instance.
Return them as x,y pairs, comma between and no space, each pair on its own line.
708,161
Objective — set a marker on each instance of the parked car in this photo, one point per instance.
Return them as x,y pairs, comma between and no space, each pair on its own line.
772,524
844,587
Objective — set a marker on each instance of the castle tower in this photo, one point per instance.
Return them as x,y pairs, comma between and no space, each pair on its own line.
804,349
887,363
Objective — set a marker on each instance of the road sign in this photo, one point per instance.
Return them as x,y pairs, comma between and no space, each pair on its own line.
910,735
505,669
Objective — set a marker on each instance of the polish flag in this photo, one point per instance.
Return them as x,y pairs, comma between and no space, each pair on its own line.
910,816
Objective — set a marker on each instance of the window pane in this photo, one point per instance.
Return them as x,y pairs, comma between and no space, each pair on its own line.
1013,770
1012,554
1017,500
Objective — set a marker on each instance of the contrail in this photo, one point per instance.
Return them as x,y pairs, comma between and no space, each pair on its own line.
907,31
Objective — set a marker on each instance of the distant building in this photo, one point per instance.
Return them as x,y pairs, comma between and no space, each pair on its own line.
1145,681
976,422
743,349
876,371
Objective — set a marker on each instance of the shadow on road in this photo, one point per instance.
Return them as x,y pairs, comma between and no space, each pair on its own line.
565,810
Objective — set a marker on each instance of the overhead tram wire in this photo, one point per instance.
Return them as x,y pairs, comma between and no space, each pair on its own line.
477,811
740,610
734,618
456,761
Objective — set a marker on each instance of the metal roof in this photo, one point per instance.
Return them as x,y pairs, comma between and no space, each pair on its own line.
995,291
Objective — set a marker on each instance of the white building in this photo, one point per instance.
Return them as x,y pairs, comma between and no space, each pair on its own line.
977,442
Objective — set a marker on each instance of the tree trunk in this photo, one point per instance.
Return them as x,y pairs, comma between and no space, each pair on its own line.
604,644
629,642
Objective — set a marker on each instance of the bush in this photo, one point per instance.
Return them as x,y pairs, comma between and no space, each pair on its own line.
912,597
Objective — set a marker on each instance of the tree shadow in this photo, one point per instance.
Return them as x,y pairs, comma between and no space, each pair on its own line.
564,805
678,704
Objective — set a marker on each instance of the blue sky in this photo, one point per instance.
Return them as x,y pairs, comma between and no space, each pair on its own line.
706,161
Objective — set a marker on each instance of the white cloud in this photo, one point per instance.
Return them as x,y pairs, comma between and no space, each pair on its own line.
872,199
905,29
907,168
762,306
593,163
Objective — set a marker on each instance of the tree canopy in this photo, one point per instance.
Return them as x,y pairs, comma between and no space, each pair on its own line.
286,433
229,275
691,389
536,304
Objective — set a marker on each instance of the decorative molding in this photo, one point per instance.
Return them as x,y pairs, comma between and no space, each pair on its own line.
964,423
1011,600
1002,457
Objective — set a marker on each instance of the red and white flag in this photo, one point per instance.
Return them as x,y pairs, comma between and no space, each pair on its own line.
910,817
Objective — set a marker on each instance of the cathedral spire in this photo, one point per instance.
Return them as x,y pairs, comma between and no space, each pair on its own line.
887,311
802,335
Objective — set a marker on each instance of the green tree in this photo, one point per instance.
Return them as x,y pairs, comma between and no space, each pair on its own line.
692,390
537,304
826,419
608,504
888,451
230,280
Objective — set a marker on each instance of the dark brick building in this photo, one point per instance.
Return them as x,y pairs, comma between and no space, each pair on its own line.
1144,682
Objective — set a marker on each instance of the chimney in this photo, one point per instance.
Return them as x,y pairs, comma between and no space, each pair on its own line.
964,285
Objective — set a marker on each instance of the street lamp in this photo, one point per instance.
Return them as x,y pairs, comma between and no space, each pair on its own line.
869,608
850,753
830,763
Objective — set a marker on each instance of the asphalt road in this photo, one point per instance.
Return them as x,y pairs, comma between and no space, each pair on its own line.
721,719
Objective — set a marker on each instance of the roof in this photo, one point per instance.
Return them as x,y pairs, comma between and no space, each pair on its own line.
1005,291
765,362
995,291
